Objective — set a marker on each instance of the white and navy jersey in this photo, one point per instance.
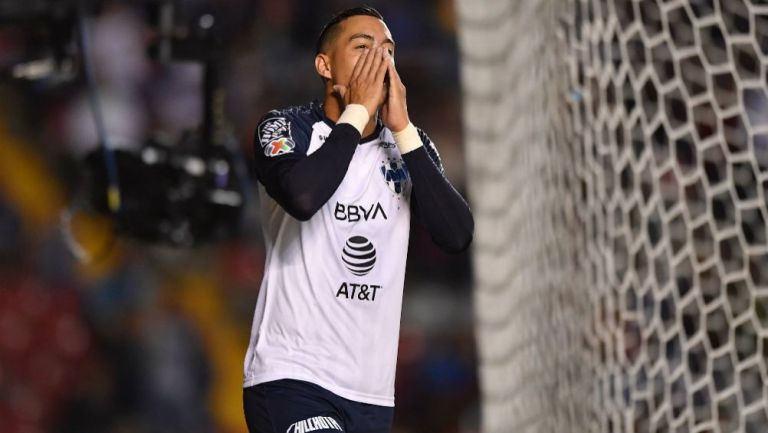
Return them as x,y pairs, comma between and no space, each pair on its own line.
328,311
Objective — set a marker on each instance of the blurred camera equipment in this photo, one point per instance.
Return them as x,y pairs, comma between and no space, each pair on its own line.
184,193
181,193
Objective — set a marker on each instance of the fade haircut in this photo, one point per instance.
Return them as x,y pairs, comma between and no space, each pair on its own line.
332,27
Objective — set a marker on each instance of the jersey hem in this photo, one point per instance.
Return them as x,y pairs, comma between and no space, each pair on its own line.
341,392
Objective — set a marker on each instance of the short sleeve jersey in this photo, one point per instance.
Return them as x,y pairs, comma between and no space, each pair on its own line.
328,310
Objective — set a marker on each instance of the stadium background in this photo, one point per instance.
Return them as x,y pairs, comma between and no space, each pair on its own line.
151,339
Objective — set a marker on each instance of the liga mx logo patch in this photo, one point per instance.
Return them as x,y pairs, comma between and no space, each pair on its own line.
396,175
275,136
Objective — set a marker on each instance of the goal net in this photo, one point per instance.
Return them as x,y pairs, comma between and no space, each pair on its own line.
617,154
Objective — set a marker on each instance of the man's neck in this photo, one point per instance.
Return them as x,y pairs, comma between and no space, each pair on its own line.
333,110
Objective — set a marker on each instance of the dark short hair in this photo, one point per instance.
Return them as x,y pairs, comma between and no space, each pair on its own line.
331,28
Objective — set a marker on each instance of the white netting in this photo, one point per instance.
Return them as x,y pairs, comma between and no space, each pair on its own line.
618,160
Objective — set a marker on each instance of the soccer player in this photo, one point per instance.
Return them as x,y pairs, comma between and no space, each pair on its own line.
339,181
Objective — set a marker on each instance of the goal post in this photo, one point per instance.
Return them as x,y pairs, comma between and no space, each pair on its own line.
617,156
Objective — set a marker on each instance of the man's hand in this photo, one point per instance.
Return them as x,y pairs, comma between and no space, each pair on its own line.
394,113
366,85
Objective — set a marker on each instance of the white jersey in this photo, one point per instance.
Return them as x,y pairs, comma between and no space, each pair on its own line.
328,311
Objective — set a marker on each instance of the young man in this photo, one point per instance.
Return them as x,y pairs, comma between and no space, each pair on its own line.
339,182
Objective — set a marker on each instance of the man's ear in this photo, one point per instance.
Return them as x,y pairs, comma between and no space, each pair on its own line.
323,65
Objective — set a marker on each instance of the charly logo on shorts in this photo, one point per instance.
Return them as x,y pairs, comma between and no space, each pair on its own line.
395,174
359,255
275,136
314,423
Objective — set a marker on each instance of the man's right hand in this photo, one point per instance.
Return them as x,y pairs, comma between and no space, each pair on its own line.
366,85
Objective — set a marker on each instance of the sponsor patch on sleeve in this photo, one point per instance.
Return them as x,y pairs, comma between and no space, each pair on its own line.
275,136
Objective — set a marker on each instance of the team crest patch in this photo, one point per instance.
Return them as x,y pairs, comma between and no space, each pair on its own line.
396,175
275,136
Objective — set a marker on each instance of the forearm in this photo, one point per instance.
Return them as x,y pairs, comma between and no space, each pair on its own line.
438,205
302,186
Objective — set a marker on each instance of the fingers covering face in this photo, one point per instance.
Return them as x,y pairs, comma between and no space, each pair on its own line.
359,64
371,65
378,59
394,77
381,68
370,56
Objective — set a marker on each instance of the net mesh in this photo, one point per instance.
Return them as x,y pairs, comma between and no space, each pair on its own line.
618,159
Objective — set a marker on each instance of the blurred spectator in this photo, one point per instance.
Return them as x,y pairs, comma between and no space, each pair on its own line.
120,77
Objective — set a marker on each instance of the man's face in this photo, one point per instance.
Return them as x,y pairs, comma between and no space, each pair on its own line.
357,34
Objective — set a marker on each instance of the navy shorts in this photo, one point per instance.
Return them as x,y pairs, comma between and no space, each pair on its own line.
294,406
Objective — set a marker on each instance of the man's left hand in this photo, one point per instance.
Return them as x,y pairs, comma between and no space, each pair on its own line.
394,112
